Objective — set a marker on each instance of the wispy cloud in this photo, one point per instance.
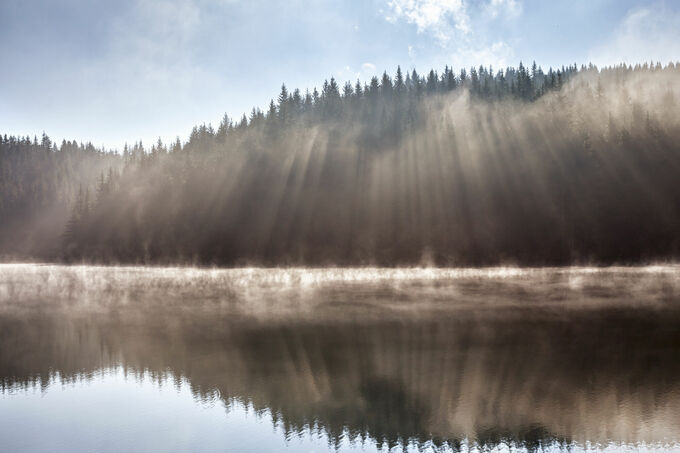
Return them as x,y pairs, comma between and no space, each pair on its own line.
505,8
368,68
156,38
150,61
499,54
651,33
365,72
411,52
442,18
458,27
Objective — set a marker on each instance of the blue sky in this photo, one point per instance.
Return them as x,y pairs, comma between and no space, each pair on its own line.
116,71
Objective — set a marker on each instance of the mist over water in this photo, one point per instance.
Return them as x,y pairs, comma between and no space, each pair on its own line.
308,359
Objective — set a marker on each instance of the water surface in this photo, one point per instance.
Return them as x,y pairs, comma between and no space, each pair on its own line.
177,359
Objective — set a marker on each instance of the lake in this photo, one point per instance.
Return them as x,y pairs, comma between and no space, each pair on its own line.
367,359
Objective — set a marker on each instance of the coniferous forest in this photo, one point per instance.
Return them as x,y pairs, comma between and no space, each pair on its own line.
473,167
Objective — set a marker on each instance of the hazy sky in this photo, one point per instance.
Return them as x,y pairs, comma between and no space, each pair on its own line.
117,71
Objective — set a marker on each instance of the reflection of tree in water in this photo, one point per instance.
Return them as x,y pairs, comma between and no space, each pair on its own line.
533,438
438,381
529,376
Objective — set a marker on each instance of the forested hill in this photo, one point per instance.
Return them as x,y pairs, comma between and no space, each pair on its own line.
475,167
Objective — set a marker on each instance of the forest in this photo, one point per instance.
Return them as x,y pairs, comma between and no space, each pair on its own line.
477,167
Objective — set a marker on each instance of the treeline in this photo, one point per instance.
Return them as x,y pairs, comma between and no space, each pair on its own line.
479,167
388,101
38,183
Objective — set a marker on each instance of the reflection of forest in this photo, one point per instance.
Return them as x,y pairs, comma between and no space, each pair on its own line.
595,373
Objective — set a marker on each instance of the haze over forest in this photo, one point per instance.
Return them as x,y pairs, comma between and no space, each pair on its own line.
472,167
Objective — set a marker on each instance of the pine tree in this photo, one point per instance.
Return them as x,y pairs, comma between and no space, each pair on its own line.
358,91
386,87
431,84
474,81
415,82
283,104
223,128
399,81
347,90
450,79
296,101
308,102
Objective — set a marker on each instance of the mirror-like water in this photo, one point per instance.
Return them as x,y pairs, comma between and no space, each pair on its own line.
163,359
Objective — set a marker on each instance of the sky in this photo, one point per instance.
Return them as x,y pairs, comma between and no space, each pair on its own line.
112,72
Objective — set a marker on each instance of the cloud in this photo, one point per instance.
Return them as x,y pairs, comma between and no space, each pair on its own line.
157,36
460,31
368,68
645,34
365,72
498,54
150,63
411,52
504,8
443,18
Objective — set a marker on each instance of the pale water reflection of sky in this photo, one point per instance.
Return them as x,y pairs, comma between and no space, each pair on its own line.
116,411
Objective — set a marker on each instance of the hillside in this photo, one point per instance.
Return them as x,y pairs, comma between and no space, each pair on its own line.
472,168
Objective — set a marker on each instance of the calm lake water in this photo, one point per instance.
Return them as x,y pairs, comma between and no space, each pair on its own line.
313,360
